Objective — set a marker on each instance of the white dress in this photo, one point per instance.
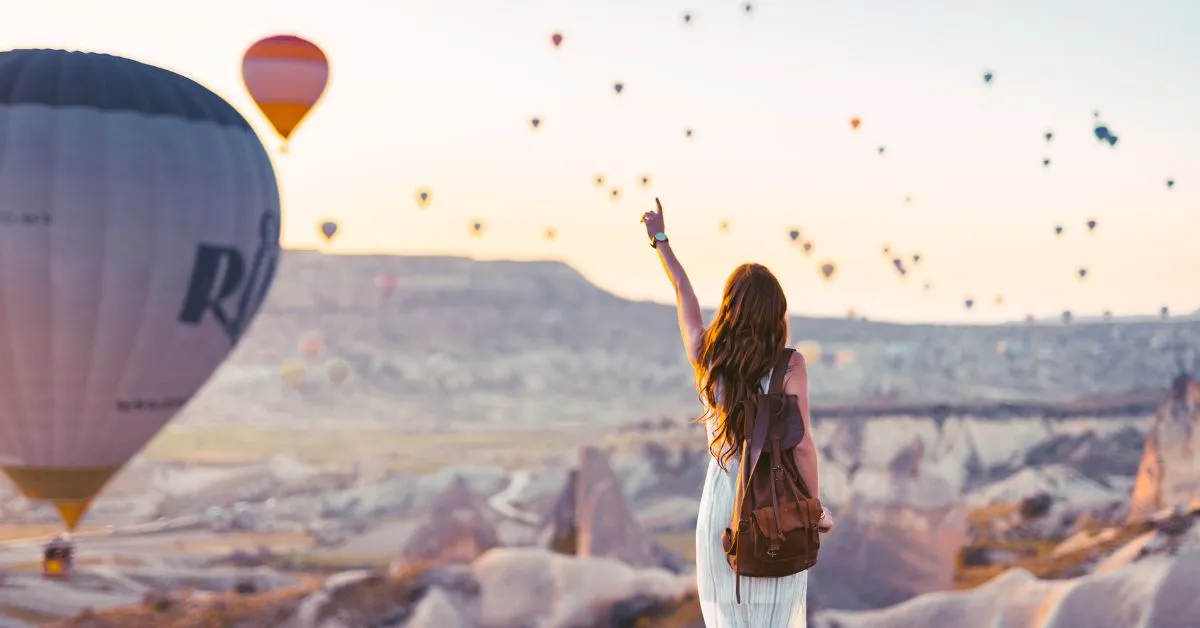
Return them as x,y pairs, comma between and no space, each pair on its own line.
766,602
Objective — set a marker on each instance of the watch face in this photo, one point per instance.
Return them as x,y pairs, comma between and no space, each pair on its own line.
661,237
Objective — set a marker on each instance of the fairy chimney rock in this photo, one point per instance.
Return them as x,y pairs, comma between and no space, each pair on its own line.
1169,473
455,529
558,530
606,526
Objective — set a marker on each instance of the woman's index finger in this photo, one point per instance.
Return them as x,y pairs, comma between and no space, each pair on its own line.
659,203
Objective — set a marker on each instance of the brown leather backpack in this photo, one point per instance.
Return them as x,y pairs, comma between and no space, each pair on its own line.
774,528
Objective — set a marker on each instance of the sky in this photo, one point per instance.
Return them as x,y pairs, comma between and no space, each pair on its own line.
439,93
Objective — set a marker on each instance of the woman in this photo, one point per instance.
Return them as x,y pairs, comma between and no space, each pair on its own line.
732,357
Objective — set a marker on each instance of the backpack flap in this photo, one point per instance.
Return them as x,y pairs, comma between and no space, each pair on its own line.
792,516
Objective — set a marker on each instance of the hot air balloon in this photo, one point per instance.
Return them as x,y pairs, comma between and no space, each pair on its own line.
987,76
808,248
794,234
907,199
968,303
292,373
688,133
999,299
1101,131
551,233
882,149
1045,161
617,87
598,180
1164,312
916,257
556,39
1091,225
749,7
1082,272
854,123
1170,183
887,250
285,76
338,371
1058,229
311,348
424,198
899,264
724,225
137,265
535,122
827,270
645,180
615,194
387,284
329,229
687,18
1112,139
1049,135
477,228
1066,317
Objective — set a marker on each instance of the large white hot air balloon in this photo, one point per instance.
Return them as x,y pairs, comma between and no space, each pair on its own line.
139,232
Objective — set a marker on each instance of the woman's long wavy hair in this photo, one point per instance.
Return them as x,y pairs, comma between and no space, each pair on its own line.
737,350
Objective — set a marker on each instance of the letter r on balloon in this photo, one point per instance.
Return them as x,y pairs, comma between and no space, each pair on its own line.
219,278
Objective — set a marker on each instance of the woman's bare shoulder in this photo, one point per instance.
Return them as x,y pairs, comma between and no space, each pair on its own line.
796,365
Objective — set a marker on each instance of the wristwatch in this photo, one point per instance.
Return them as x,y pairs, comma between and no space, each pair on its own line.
658,237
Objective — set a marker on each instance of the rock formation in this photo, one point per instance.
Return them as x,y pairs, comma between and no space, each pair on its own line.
592,518
558,531
1169,473
455,530
901,540
1150,593
535,587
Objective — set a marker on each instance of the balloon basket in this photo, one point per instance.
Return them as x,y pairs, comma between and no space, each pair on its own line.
56,568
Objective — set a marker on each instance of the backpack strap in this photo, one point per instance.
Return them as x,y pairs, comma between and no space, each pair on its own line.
758,437
780,370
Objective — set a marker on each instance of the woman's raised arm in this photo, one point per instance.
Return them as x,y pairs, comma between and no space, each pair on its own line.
691,323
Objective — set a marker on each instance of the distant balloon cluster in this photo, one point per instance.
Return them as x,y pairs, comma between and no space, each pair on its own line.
286,75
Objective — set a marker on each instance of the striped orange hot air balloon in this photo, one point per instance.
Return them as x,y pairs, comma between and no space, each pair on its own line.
285,76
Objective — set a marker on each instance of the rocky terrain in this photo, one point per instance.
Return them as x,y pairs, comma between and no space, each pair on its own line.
1020,475
924,507
531,343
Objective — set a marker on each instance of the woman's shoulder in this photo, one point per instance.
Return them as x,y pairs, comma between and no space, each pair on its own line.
796,364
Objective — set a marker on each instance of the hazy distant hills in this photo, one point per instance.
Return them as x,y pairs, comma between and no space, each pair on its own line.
503,341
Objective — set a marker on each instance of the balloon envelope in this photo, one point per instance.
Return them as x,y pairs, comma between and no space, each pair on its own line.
387,284
329,229
292,373
285,76
828,269
556,39
311,347
146,239
337,370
